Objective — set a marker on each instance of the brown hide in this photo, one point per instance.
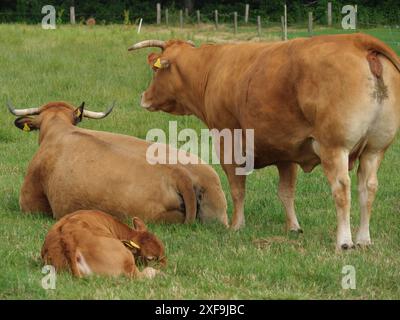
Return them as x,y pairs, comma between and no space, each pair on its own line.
77,169
87,242
328,99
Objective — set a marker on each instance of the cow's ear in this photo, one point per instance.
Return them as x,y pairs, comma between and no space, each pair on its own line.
152,58
156,62
138,224
162,63
26,124
78,113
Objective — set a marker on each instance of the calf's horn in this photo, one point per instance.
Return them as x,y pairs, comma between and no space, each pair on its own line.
148,44
98,115
22,112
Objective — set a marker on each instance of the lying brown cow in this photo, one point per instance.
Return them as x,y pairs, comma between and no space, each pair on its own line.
328,99
92,242
77,169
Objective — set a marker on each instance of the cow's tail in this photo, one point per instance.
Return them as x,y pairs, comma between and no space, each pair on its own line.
186,189
374,45
81,267
74,257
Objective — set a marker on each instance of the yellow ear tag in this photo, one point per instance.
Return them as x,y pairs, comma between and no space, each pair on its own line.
157,64
134,244
26,127
130,244
78,113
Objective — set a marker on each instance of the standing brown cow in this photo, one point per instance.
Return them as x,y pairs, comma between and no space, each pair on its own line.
326,100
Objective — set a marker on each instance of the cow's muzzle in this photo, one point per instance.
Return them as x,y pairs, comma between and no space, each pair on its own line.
145,104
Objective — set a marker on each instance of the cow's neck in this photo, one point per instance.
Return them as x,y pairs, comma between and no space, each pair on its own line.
52,127
194,73
121,231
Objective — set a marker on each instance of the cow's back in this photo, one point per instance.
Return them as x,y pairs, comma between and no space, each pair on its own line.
92,174
208,185
80,233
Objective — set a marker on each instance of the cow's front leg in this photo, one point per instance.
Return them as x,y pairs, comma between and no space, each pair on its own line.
171,216
335,163
286,191
237,185
367,187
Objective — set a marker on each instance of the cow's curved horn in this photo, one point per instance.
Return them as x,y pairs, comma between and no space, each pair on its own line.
191,43
98,115
22,112
148,44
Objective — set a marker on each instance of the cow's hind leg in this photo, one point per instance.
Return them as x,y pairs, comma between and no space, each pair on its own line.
286,192
335,163
33,199
367,187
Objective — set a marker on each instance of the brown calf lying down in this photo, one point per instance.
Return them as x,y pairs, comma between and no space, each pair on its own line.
88,241
79,169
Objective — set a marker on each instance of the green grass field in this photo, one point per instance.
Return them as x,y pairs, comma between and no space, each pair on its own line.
78,64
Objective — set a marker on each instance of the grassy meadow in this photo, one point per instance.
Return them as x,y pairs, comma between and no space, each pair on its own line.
78,64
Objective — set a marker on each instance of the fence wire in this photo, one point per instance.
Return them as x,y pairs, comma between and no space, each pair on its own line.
225,21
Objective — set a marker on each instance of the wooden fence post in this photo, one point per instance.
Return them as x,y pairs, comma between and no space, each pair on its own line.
329,14
140,25
198,16
166,17
181,19
158,13
186,13
259,26
235,22
72,14
285,24
310,23
356,7
246,13
216,19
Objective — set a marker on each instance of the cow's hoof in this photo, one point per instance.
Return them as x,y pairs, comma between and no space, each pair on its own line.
363,239
294,234
347,246
298,231
237,226
364,244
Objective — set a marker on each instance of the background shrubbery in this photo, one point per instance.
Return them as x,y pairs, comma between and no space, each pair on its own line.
370,11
